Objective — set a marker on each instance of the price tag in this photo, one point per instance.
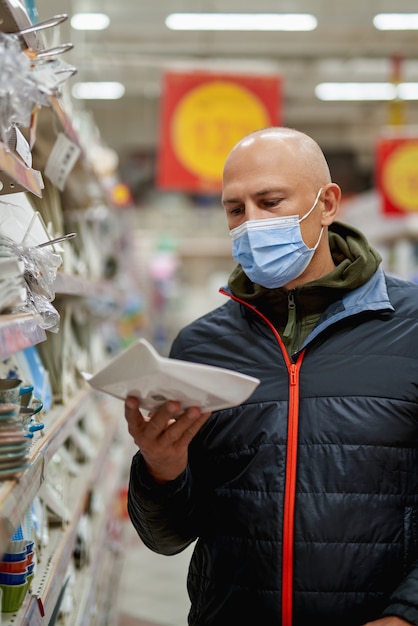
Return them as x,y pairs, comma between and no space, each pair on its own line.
23,148
35,613
61,161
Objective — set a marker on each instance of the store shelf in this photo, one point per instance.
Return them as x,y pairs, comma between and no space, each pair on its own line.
55,558
18,332
87,583
78,454
39,605
15,176
16,495
66,284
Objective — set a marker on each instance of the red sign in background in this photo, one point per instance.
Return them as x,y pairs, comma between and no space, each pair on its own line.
203,115
397,174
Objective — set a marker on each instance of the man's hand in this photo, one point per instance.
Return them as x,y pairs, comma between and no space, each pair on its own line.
164,436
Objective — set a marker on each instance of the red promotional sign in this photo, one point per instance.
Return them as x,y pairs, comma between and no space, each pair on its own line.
397,174
203,115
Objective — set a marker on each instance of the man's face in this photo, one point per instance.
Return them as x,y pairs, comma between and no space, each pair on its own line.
264,179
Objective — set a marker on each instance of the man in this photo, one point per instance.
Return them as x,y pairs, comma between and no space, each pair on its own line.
303,500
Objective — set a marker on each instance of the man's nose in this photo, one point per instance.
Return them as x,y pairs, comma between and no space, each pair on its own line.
253,212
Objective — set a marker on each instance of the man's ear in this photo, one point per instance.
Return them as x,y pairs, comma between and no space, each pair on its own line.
331,196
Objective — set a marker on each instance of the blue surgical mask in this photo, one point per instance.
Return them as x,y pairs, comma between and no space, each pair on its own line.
271,251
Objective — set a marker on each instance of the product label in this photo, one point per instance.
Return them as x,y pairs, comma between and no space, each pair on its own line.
23,148
61,161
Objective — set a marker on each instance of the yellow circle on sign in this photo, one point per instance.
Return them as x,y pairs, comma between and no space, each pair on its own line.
400,177
209,121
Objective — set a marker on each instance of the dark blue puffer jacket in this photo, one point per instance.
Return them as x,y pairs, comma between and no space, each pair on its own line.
304,500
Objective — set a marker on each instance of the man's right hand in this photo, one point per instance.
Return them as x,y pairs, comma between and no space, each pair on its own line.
164,436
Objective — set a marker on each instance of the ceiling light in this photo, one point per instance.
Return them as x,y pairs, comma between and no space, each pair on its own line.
366,91
241,21
408,91
396,21
90,21
98,91
355,91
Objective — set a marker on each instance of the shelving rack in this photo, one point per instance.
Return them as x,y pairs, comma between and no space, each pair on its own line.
87,426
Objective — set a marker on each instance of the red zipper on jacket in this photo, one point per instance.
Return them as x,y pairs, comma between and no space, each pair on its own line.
291,466
289,492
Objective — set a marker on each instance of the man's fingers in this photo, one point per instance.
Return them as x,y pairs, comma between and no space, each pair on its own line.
160,418
164,436
131,404
169,424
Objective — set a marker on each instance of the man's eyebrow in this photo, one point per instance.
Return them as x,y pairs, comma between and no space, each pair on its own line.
264,192
230,200
258,194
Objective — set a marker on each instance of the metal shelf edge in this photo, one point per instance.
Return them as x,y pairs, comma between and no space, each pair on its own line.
16,176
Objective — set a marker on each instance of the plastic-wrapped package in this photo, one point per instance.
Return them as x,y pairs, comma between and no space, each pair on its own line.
40,270
20,93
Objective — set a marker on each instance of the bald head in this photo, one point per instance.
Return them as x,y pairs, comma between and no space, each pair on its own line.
296,147
278,173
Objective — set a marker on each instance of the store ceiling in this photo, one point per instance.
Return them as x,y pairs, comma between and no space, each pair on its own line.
137,47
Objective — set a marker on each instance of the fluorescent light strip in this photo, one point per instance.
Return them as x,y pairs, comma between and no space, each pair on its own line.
396,21
90,21
366,91
408,91
242,21
98,91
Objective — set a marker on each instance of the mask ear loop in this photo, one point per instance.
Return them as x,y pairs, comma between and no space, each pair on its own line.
308,214
312,208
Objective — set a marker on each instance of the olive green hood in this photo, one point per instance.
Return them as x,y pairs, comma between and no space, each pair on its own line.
355,262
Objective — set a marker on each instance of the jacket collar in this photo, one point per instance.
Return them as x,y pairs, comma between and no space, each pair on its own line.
371,296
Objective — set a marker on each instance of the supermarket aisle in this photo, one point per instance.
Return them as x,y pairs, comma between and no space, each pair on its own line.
152,587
